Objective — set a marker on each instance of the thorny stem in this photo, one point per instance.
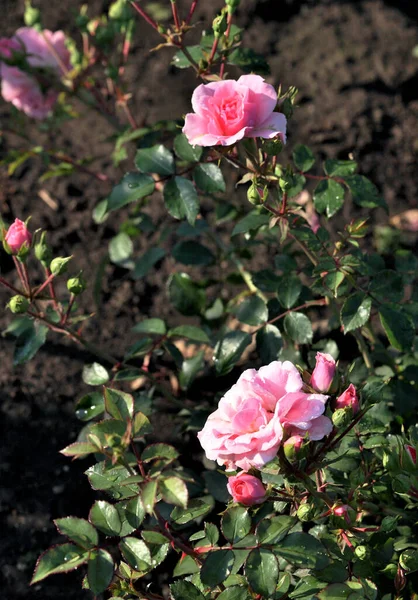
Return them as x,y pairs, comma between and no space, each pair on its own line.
320,302
145,16
77,165
13,288
175,12
68,311
22,278
175,542
43,286
227,32
52,290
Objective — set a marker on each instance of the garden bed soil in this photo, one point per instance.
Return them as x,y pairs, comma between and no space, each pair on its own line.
358,82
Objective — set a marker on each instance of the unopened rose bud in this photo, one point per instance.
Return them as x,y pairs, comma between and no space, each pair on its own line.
232,5
253,194
76,285
43,251
343,511
219,25
348,399
120,10
305,512
324,372
411,452
31,16
292,448
18,305
18,238
246,489
60,264
342,417
361,552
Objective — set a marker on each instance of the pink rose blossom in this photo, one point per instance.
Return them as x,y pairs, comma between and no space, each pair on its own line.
45,50
348,398
227,111
246,489
247,428
17,236
324,372
343,511
411,452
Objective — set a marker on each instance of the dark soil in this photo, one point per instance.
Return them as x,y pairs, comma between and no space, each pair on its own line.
358,82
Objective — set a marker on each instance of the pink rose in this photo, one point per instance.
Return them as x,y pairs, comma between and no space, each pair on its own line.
348,398
227,111
343,511
324,372
45,50
412,453
17,236
247,428
246,489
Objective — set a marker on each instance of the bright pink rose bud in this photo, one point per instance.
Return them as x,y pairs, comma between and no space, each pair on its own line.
246,489
344,511
324,372
17,236
227,111
292,447
412,453
349,399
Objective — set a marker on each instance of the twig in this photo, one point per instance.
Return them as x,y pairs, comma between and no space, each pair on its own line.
191,11
320,302
175,12
227,32
145,16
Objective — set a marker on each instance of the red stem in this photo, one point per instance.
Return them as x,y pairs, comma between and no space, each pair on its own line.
12,287
191,11
227,32
144,15
43,286
52,290
175,12
68,311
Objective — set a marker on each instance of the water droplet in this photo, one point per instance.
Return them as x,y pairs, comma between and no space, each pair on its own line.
132,186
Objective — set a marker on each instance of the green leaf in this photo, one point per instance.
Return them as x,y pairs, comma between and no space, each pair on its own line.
136,553
181,61
328,197
150,326
235,592
159,451
103,476
144,264
196,508
208,178
185,151
95,374
119,405
303,550
229,349
339,168
269,343
174,491
289,290
157,159
90,406
190,368
58,559
28,343
216,483
181,199
364,192
105,517
79,449
236,523
398,326
216,567
409,560
184,590
100,570
149,493
250,222
133,186
134,512
190,252
303,157
298,327
79,531
141,424
262,571
274,529
185,295
336,591
355,311
128,374
253,311
249,61
387,285
120,248
190,332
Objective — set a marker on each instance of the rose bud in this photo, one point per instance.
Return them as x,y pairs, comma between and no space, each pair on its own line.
344,512
348,399
324,372
18,237
411,452
292,447
18,304
246,489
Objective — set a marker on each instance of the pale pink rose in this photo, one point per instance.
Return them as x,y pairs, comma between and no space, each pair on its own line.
348,398
247,428
324,372
18,235
44,50
227,111
246,489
